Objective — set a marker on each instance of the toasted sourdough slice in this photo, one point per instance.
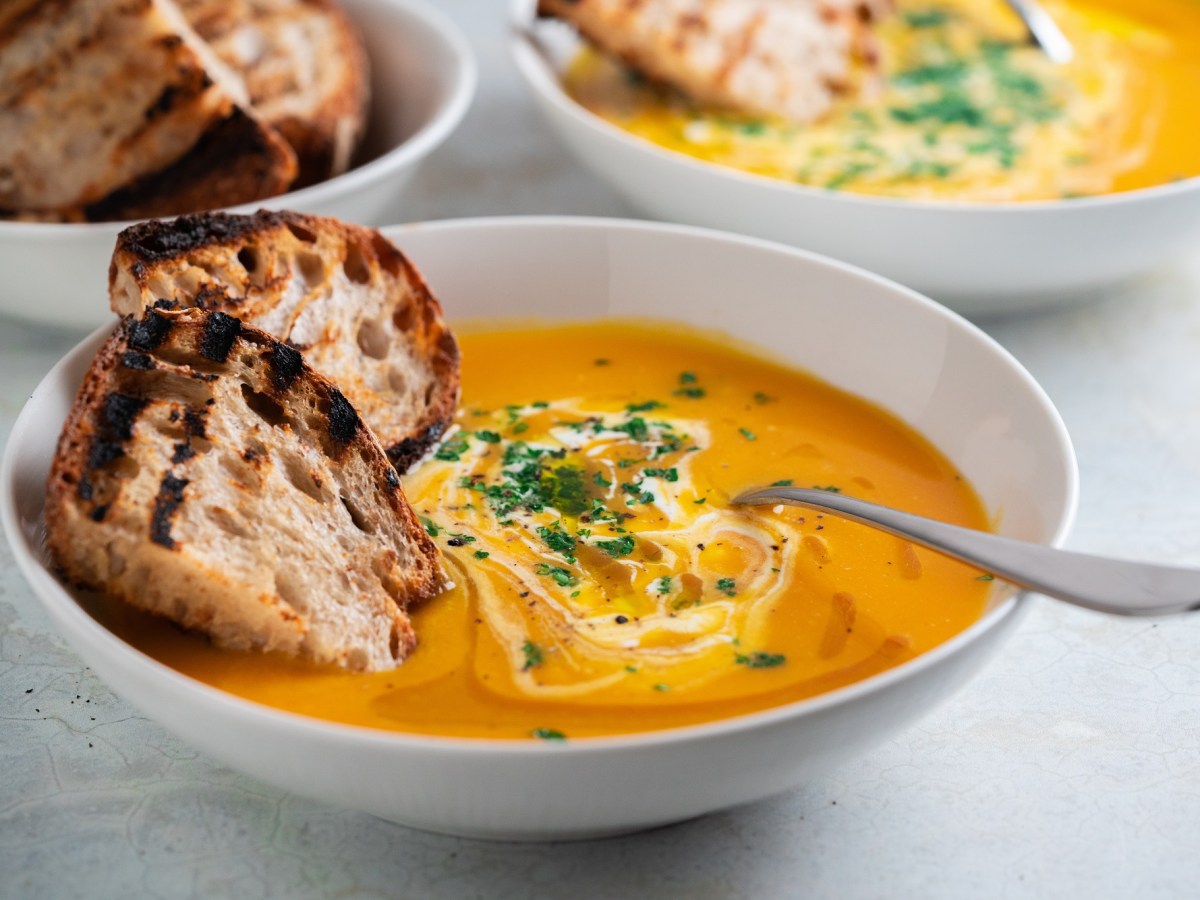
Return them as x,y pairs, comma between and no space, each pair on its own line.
342,294
305,70
207,474
97,97
781,58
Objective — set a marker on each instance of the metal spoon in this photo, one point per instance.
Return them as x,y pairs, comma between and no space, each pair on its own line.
1106,585
1043,30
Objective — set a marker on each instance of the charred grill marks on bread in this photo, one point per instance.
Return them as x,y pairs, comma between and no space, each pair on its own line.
114,109
343,295
220,481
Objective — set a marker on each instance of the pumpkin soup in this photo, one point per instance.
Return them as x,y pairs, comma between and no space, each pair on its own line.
603,582
965,108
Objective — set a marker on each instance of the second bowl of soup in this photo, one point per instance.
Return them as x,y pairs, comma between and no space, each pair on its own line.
622,646
965,163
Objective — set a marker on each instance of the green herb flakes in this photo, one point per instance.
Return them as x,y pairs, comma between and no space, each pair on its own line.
644,407
562,577
558,540
760,660
622,546
452,449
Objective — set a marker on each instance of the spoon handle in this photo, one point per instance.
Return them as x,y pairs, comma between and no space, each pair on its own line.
1044,30
1106,585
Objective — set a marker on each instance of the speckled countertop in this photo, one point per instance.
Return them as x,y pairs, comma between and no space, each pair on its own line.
1070,768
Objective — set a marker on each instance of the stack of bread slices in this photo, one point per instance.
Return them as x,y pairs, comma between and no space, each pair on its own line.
123,109
232,458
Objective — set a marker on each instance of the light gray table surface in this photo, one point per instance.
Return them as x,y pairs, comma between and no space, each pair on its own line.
1070,768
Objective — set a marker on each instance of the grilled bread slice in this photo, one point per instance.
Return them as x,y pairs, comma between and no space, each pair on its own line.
115,107
781,58
207,474
305,70
342,294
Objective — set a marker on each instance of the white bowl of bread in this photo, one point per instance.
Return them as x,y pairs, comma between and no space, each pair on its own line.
980,257
310,105
208,472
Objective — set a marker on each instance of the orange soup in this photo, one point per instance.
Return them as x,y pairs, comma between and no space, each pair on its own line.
964,107
603,582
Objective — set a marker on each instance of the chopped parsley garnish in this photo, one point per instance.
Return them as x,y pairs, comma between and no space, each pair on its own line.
662,687
600,481
951,72
700,501
687,380
782,482
664,584
748,434
462,536
760,660
636,429
987,577
644,407
566,490
452,449
926,18
760,397
665,474
548,734
482,554
952,107
830,488
488,437
558,540
622,546
848,174
533,656
431,527
562,577
727,586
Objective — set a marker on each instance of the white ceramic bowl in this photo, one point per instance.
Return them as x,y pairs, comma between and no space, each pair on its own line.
422,81
978,258
858,331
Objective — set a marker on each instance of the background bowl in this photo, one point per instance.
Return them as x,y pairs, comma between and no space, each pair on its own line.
422,81
978,258
913,357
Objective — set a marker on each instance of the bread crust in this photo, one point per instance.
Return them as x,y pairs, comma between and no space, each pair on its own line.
343,294
779,58
173,132
305,70
208,474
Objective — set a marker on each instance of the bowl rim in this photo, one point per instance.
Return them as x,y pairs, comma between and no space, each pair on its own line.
445,119
539,74
61,606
